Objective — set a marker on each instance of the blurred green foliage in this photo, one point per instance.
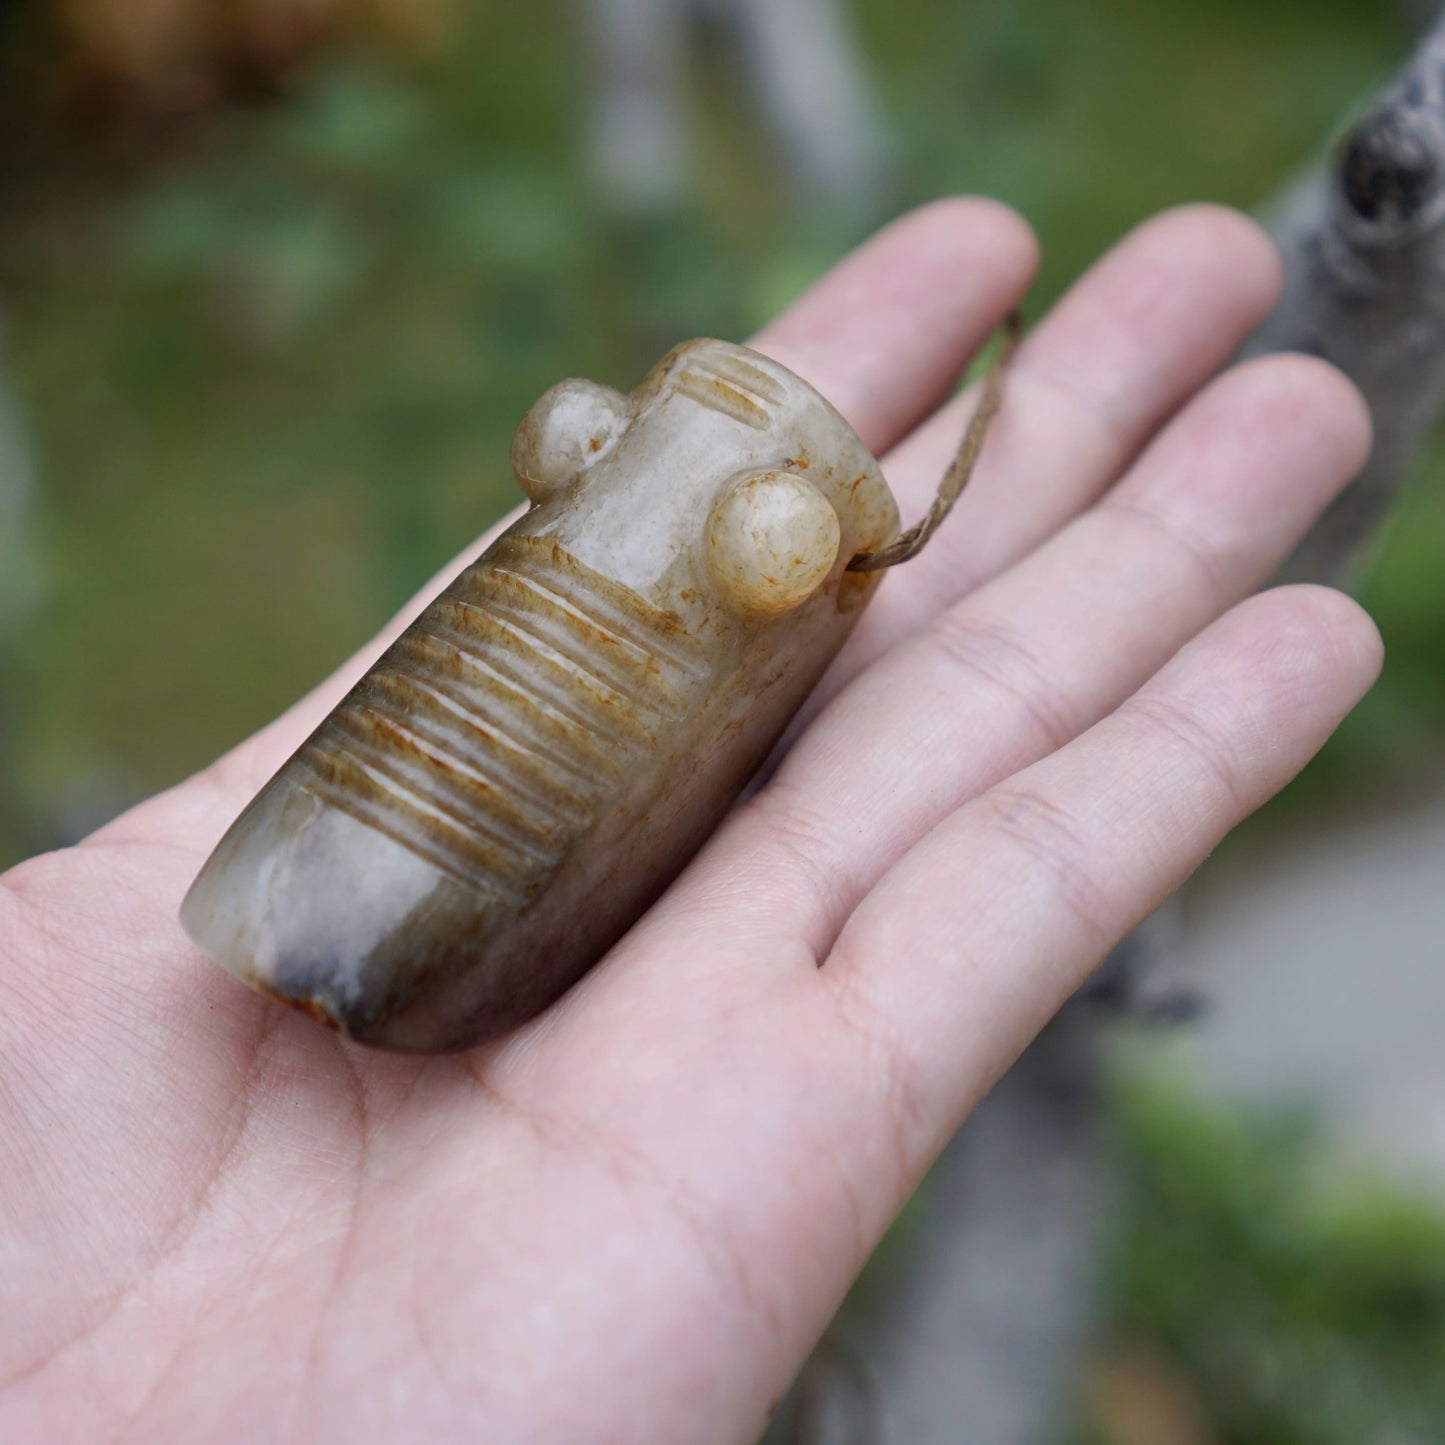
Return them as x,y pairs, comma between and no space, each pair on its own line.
1303,1308
273,373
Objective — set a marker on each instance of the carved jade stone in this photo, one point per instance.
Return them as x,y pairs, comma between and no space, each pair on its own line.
522,773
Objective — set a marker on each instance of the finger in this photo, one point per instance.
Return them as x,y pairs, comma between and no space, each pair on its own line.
1026,663
830,1096
1123,350
883,336
976,937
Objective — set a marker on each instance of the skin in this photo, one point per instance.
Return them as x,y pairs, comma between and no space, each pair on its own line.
630,1220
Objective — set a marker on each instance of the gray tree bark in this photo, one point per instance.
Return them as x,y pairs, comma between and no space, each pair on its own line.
1364,245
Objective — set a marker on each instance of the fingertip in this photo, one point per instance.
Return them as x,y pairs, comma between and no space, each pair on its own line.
968,230
1301,402
1226,241
1159,313
1346,635
1318,643
1313,391
886,332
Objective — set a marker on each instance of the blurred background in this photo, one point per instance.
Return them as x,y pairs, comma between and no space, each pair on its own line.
279,277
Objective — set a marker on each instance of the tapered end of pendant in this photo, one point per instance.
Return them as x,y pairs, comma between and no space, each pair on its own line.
327,915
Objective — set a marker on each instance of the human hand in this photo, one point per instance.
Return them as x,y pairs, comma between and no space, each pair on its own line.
630,1220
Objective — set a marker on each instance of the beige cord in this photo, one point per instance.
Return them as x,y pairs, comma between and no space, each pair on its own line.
911,543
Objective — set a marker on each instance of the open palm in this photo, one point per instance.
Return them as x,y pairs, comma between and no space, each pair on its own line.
630,1220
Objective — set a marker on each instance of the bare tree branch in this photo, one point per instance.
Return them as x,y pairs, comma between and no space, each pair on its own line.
1364,246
